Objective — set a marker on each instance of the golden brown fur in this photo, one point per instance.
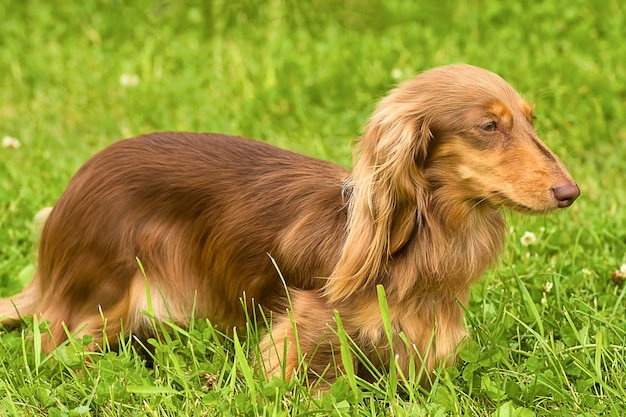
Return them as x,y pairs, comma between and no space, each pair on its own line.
419,214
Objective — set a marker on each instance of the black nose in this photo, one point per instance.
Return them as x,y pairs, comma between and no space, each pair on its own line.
566,194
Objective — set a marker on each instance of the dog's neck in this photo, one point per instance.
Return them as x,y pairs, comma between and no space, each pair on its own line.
451,248
452,244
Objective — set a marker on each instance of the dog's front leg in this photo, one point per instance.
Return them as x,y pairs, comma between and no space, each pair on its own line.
303,342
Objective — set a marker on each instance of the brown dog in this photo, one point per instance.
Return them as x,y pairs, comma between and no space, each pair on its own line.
419,215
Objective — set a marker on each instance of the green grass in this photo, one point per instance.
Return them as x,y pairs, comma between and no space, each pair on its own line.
548,325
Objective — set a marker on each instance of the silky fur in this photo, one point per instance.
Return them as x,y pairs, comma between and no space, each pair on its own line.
208,215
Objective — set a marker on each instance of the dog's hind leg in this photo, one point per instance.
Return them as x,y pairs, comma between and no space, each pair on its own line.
104,326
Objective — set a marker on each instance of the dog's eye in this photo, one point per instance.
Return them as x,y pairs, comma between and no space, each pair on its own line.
489,127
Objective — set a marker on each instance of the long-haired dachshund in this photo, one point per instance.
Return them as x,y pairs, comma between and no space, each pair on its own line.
213,219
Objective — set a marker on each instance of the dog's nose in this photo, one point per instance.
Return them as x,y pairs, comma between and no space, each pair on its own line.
566,194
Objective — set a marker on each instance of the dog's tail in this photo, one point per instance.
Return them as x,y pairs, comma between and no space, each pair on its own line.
26,303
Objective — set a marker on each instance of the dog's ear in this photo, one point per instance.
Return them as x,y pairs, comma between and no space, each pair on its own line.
388,197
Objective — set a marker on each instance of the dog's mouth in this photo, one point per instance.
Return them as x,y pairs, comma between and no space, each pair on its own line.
500,199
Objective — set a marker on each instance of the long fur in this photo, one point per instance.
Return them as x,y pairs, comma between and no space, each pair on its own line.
419,214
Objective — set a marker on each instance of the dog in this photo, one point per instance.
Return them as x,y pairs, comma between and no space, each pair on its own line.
214,220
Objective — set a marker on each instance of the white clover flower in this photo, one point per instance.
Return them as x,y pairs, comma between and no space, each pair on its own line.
129,80
544,301
528,239
547,287
396,74
10,143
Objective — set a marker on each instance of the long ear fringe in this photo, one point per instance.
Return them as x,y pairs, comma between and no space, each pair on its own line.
388,196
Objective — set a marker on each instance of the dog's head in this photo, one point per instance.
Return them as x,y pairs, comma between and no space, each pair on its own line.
483,147
470,134
456,136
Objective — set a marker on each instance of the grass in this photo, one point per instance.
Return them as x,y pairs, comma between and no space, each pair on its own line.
548,324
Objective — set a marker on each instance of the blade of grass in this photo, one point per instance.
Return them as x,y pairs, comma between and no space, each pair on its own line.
529,303
246,370
386,318
37,342
344,350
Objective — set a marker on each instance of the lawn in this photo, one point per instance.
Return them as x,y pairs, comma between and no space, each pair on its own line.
547,324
